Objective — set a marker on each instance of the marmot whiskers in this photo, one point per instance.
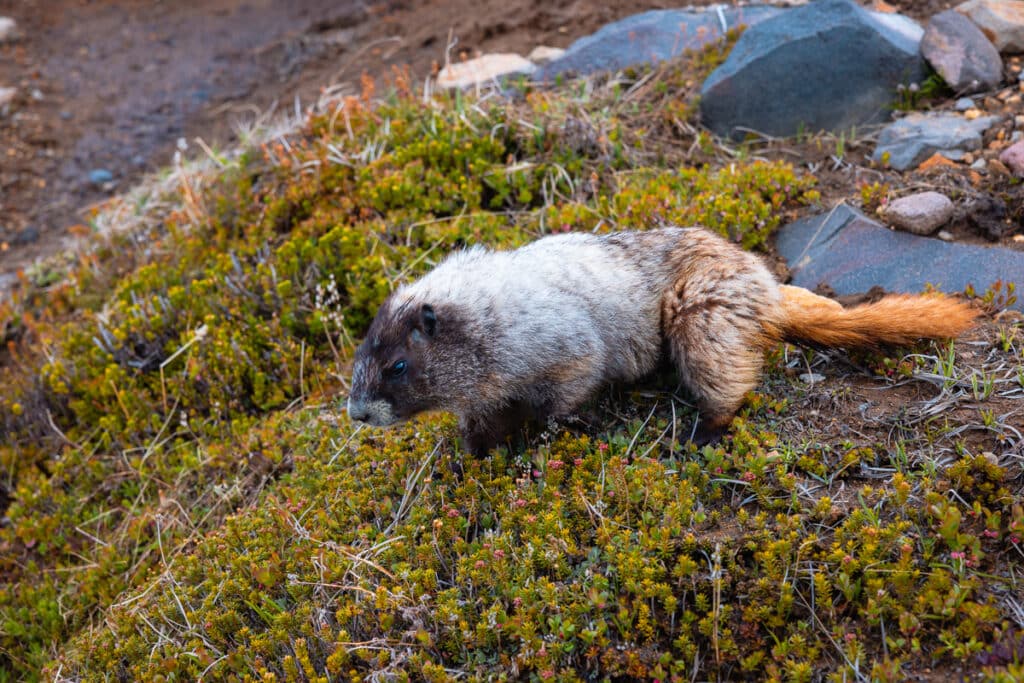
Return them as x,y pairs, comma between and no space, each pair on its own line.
499,337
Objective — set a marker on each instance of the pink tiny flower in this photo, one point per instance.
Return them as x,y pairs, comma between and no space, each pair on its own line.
547,673
536,473
602,447
577,462
480,564
1014,539
499,554
516,602
957,555
847,559
453,513
748,476
718,470
555,464
990,533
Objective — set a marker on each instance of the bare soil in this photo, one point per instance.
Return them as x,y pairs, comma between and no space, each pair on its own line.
111,85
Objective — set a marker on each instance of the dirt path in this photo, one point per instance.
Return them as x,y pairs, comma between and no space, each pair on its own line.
106,87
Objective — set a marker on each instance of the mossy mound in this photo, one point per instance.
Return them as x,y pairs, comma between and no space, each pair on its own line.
185,499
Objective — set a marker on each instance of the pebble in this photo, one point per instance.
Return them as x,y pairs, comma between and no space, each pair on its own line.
999,167
945,235
964,103
8,29
1016,135
979,165
7,95
914,138
483,70
811,378
922,213
1019,121
100,176
543,54
1013,158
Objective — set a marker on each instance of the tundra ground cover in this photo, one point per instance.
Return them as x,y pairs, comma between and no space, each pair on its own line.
186,499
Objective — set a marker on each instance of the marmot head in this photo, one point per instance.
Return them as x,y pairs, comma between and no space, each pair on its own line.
395,375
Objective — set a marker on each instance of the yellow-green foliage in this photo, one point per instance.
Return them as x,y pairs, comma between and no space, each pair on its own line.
184,502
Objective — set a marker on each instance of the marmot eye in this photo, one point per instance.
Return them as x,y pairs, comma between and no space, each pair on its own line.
398,369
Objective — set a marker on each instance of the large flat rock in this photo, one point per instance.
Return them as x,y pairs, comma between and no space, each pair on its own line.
852,253
651,37
829,65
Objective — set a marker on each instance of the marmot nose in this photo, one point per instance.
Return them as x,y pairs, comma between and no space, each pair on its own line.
357,410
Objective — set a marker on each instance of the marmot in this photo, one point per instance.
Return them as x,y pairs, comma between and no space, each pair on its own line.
500,337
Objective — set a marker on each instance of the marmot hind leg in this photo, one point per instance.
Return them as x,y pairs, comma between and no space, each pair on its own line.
717,346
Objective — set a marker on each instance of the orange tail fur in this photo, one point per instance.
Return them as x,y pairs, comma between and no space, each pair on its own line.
896,319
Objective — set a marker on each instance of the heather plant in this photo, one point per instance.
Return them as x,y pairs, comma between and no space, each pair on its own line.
185,498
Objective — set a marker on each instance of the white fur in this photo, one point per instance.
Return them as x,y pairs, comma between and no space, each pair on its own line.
567,295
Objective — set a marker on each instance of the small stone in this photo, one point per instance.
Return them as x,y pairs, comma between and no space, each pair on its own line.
945,235
1013,158
543,54
972,114
999,167
914,138
1018,121
484,70
921,214
979,165
1018,238
968,158
811,378
961,53
7,96
991,457
100,176
986,214
1002,21
66,115
964,103
1016,135
8,29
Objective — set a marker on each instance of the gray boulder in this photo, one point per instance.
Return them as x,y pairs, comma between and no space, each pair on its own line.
651,37
827,65
914,138
1001,20
851,253
961,53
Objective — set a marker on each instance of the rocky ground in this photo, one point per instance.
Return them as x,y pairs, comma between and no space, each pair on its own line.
101,91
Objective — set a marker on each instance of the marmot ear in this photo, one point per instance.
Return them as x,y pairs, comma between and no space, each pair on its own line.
428,319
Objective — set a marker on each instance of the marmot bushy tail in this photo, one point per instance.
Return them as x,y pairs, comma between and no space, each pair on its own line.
499,337
895,319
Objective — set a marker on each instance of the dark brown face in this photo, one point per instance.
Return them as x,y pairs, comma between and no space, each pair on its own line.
391,380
